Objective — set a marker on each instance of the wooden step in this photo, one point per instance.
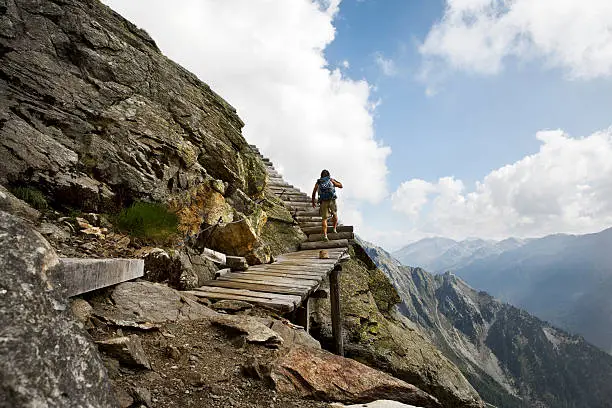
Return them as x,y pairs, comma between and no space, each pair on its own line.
331,236
311,212
286,190
317,229
309,219
339,243
310,225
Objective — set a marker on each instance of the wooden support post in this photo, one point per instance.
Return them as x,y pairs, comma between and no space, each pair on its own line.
336,313
302,315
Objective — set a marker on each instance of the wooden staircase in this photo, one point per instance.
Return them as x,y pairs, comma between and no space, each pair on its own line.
287,284
308,218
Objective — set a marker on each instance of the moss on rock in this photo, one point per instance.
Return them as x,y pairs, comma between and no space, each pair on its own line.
376,335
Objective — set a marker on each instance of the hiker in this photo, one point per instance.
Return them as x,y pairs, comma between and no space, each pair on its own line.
326,187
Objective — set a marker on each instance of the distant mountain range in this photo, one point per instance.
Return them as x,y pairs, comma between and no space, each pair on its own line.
512,358
563,279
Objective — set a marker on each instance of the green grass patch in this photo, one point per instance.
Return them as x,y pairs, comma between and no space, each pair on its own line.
32,196
148,221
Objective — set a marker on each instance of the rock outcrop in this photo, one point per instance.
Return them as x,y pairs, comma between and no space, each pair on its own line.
95,117
319,374
375,335
46,358
512,358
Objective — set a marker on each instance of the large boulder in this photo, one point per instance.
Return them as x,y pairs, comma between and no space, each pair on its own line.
308,372
147,302
46,359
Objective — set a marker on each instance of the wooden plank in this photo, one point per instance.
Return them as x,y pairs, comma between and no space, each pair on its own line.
308,212
259,287
280,306
305,263
296,269
271,280
331,236
304,225
339,243
304,269
317,229
245,292
314,218
82,275
317,278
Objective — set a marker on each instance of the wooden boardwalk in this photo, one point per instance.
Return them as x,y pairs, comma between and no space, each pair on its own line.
282,285
286,284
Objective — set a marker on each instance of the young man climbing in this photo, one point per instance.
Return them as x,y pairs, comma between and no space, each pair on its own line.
326,187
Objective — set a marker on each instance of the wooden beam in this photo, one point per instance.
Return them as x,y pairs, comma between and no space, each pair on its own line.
317,229
257,287
340,243
331,236
336,311
82,275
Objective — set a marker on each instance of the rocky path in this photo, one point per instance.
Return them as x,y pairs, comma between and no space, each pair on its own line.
293,277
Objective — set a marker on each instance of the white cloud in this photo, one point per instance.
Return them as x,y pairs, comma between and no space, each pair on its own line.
346,64
386,65
565,187
479,35
266,58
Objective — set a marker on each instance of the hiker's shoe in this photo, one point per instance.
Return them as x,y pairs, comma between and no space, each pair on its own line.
335,231
325,238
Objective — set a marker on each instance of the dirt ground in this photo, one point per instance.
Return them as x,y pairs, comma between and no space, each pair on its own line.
195,364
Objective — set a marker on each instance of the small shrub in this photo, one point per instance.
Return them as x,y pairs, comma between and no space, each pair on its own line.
32,196
148,221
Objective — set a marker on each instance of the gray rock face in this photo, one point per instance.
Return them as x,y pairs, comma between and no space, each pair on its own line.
146,302
46,359
93,113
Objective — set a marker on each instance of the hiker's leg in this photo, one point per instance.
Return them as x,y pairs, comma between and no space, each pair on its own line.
324,224
334,209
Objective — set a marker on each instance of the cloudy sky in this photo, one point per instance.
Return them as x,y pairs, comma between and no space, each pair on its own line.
456,118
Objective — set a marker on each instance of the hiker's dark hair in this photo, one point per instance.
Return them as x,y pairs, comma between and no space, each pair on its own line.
324,173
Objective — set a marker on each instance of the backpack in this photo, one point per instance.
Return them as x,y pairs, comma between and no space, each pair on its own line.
327,191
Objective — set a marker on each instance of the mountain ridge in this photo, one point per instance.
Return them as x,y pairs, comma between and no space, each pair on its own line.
512,358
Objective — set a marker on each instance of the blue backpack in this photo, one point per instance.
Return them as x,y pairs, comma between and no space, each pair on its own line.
327,191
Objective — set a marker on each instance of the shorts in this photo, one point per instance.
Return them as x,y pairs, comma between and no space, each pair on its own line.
328,208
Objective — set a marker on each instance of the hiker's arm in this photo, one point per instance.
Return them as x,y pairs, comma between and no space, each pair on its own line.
314,193
336,183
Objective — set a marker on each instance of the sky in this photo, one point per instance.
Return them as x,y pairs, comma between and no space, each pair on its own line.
454,118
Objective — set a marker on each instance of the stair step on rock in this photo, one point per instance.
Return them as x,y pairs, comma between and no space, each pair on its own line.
317,229
312,212
331,236
310,225
338,243
314,218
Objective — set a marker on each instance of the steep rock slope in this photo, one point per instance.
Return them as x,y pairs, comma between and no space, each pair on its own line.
376,335
512,358
94,116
